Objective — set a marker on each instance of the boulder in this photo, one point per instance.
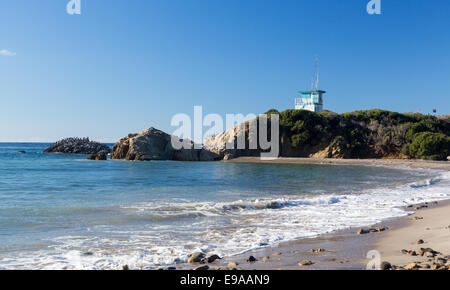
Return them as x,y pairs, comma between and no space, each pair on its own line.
154,144
77,146
98,156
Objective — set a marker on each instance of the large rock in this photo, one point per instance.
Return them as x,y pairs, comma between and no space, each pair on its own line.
218,143
98,156
153,144
77,146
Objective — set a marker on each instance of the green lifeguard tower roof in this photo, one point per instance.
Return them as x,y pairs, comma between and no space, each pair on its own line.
312,92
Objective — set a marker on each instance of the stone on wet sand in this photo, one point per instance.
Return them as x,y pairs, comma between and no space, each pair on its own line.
232,265
362,231
385,266
379,229
213,258
196,258
202,268
420,242
305,263
319,250
251,259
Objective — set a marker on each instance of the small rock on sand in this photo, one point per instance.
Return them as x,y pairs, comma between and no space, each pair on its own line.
385,266
305,263
412,253
420,242
426,266
196,258
362,232
411,266
202,268
213,258
232,265
251,259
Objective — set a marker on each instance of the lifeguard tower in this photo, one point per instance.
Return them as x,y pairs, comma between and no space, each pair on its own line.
311,100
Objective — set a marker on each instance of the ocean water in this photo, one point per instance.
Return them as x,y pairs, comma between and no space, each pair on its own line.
64,212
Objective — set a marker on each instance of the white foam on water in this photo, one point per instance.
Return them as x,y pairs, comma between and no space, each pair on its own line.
229,228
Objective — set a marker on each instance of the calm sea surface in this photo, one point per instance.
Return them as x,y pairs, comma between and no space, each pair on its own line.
64,212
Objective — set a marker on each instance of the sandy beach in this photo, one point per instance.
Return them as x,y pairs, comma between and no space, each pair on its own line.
420,240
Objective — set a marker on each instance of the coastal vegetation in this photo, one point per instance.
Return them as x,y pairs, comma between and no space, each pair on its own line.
363,134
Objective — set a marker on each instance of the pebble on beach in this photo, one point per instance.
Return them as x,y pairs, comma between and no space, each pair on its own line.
305,263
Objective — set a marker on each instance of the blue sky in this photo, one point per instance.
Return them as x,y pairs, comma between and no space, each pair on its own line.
123,66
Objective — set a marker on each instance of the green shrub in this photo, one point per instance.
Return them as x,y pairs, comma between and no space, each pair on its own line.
428,145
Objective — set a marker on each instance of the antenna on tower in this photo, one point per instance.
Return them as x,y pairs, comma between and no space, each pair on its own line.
317,73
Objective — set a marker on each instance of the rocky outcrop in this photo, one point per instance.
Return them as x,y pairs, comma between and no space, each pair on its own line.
218,143
360,134
77,146
153,144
